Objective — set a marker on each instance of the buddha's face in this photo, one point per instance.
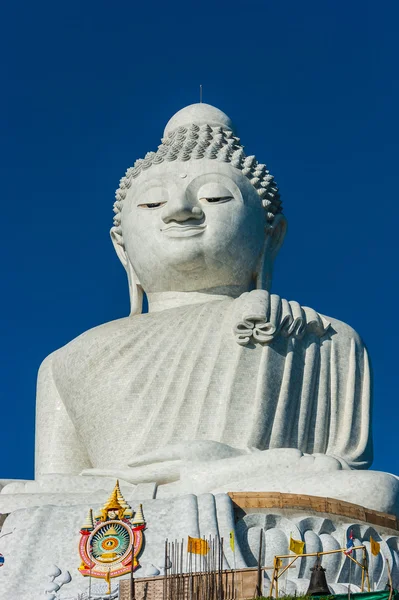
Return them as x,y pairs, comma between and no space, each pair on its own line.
193,225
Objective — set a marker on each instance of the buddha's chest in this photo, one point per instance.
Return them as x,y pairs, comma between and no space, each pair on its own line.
186,378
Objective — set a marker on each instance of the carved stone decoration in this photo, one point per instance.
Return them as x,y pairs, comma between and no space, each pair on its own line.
320,534
265,316
58,579
112,540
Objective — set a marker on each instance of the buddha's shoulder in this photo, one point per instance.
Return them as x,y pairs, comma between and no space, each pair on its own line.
341,332
91,344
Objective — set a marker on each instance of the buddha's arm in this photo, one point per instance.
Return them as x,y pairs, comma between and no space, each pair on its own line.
58,448
350,398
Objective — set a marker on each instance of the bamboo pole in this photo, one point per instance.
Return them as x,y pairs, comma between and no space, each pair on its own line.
355,561
277,583
219,583
164,586
259,578
278,572
182,568
221,570
191,585
321,553
132,590
273,577
172,571
368,579
289,564
213,576
363,570
350,577
390,580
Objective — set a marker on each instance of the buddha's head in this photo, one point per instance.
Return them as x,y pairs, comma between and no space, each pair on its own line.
198,214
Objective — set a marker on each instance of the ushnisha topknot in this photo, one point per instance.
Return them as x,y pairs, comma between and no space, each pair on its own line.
196,140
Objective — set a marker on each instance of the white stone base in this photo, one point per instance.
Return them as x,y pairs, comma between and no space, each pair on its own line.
33,540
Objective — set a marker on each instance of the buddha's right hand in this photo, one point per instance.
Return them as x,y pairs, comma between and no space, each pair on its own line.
189,451
162,472
164,465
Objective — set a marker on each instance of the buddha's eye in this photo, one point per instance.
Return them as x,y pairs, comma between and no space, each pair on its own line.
216,199
151,205
214,192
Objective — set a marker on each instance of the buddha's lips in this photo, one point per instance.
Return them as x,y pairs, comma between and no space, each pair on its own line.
183,230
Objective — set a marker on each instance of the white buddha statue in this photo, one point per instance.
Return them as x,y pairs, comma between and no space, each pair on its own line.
222,384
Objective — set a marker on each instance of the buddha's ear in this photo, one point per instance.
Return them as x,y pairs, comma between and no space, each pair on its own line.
117,241
135,289
274,238
276,232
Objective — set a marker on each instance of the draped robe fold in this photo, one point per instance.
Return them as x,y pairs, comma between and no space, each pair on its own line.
140,383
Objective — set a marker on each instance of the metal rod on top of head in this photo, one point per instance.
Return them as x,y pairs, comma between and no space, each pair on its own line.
200,93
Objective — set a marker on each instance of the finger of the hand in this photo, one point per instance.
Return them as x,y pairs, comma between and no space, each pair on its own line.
168,453
160,473
195,450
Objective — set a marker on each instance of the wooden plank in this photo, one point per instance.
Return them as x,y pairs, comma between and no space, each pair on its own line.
316,503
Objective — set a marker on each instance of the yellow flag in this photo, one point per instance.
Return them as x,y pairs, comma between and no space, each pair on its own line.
296,546
232,541
374,546
197,546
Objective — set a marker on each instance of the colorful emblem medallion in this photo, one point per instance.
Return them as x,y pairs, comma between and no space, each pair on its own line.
111,541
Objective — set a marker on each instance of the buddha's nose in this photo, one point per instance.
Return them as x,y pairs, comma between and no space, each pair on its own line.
181,209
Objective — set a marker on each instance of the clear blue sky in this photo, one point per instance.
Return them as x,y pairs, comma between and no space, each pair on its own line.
87,88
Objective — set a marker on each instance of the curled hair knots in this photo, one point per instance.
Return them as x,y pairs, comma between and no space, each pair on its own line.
225,154
238,157
211,152
195,142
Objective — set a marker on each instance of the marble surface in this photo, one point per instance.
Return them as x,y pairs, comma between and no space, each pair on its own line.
320,534
47,536
198,224
33,496
206,387
371,489
223,385
61,484
200,113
